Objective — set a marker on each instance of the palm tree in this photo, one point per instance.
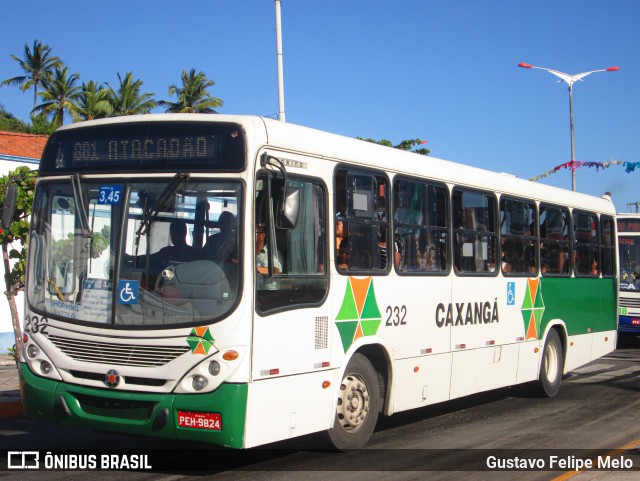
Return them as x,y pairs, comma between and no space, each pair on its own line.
60,95
92,103
193,96
128,100
38,65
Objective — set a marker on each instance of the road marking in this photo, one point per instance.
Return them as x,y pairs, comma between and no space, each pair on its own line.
8,432
614,452
604,376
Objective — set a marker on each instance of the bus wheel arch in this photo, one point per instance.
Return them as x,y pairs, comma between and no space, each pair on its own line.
360,399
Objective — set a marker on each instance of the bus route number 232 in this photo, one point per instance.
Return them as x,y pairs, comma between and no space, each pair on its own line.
396,316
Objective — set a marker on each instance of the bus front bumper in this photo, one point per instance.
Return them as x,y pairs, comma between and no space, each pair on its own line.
630,324
142,414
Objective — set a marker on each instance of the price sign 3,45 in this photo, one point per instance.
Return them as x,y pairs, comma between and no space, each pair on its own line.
110,194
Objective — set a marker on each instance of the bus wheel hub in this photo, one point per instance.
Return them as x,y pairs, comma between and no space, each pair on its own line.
353,403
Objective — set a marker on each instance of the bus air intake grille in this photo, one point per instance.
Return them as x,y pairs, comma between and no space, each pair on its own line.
117,354
115,408
626,302
99,376
322,332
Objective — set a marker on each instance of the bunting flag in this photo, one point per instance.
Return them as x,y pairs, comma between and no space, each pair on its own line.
576,164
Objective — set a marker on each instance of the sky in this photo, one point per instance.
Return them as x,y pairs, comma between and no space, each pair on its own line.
445,71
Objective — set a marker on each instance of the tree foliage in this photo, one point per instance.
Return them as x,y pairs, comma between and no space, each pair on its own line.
407,145
25,179
39,124
38,65
92,103
93,100
127,99
192,95
9,123
60,95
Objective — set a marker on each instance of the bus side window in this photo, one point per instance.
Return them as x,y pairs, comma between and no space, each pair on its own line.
586,244
361,226
421,228
554,240
608,246
475,231
518,220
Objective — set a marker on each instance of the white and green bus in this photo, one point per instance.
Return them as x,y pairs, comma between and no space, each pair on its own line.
239,281
629,249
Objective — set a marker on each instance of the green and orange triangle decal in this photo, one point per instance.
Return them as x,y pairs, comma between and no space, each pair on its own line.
359,314
532,309
200,340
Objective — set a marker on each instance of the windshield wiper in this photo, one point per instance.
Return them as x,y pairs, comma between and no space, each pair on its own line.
150,215
80,207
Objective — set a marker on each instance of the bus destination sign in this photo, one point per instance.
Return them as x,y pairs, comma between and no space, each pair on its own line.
628,225
145,149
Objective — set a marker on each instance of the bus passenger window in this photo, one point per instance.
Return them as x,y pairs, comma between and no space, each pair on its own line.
361,227
518,220
421,229
608,246
586,244
475,231
554,240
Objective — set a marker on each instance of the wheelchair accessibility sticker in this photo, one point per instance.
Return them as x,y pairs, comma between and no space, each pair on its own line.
128,291
511,293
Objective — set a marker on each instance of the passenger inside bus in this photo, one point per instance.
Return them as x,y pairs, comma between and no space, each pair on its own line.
382,247
222,247
339,234
398,245
179,251
262,253
344,255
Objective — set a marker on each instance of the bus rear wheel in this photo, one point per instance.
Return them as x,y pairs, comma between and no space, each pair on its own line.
552,365
357,405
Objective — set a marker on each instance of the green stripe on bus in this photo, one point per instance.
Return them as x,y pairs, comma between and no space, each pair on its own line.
584,304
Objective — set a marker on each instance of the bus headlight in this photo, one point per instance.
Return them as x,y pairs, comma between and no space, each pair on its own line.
33,351
199,383
214,368
45,368
208,374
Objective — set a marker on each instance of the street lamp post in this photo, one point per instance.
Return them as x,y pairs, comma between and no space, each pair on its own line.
281,115
570,80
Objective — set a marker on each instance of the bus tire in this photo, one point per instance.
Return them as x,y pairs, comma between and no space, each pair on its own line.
357,405
552,365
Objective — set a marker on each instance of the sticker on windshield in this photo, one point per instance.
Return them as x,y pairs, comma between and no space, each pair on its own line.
128,291
110,194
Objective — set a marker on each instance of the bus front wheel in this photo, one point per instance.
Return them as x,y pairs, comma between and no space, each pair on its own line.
357,405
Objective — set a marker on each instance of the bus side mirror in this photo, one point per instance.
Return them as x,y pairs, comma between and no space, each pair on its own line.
288,208
9,209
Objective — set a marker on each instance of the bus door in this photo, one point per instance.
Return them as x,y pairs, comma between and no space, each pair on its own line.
291,326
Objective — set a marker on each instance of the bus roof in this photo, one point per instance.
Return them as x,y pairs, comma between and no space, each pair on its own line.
321,144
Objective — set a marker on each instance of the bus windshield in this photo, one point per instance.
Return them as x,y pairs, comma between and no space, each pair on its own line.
629,262
154,253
